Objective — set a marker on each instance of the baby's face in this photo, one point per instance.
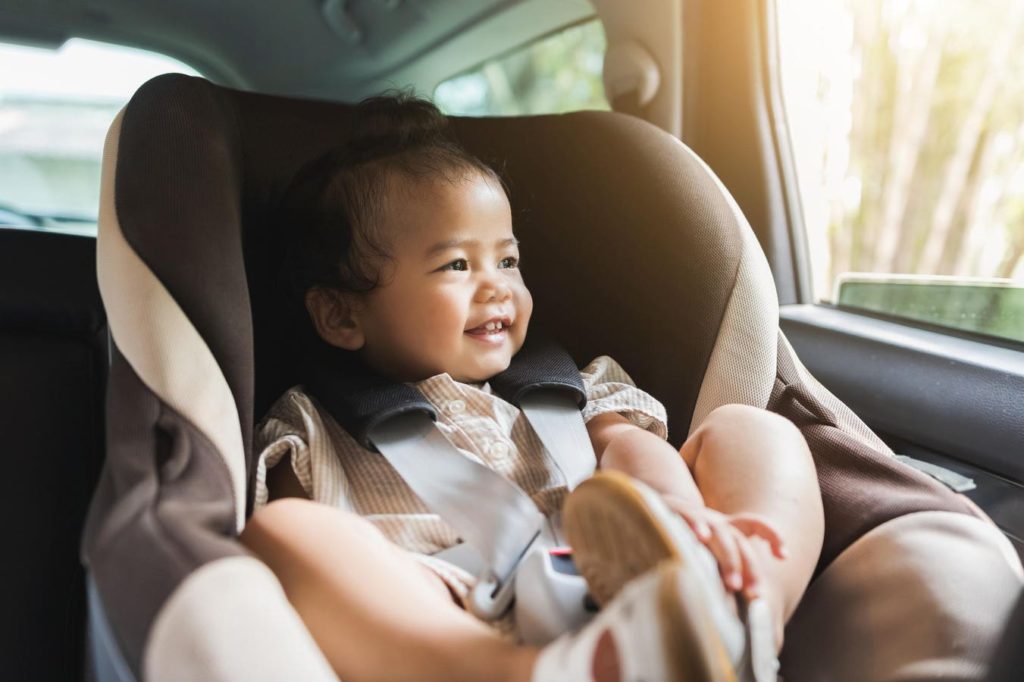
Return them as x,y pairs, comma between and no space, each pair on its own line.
452,299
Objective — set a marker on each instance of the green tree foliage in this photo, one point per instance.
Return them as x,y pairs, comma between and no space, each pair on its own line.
937,138
917,166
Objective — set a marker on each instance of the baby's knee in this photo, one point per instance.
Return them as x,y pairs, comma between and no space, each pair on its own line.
727,423
279,514
735,416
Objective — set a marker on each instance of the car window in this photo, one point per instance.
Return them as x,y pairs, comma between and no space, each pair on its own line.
55,109
558,73
907,126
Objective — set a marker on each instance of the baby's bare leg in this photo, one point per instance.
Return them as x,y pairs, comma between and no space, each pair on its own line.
374,611
747,460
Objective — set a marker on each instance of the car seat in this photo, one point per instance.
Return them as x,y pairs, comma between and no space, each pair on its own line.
632,248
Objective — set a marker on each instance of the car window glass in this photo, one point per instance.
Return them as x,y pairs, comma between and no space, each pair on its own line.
559,73
907,126
55,109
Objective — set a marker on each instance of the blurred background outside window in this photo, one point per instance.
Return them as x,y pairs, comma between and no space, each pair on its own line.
55,109
558,73
907,123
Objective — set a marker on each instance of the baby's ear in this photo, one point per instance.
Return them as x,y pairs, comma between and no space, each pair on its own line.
331,312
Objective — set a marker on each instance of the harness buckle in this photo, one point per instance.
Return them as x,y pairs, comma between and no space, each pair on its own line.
492,595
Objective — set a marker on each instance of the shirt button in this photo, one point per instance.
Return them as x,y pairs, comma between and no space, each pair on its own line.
456,406
498,449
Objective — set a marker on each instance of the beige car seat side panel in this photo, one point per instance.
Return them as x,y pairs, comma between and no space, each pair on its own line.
228,617
742,364
230,620
882,612
910,571
158,340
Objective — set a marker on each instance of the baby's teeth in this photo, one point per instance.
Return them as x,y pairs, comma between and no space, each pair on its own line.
489,326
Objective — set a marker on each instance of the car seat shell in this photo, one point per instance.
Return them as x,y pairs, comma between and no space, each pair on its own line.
621,225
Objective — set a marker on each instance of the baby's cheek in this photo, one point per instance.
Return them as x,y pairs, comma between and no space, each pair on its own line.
437,317
525,305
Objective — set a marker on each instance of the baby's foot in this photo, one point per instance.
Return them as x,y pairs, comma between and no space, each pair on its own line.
656,628
619,529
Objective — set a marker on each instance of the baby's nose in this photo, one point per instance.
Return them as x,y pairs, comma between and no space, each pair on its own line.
495,290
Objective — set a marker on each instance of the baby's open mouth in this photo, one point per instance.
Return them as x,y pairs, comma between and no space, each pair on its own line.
491,327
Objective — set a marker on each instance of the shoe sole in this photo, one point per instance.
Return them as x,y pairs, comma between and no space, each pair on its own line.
683,620
616,537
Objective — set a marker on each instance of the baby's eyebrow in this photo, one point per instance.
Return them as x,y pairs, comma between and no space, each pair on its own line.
455,243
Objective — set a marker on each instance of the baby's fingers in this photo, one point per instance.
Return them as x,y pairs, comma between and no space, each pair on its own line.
752,578
723,546
753,525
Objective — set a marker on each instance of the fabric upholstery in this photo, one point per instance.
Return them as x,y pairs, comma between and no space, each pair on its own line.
172,496
741,368
191,641
882,612
52,373
160,342
1008,658
360,399
862,487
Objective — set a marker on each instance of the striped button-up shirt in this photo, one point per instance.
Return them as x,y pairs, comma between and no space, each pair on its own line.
334,469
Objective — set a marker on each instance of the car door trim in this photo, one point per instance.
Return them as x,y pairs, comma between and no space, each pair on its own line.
957,396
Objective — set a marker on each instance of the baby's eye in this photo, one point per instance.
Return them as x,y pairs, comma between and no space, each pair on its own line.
459,265
509,262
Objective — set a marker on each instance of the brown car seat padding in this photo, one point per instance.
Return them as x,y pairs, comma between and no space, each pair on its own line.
630,245
860,487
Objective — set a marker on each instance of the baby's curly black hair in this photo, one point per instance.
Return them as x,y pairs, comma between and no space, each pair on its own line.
331,211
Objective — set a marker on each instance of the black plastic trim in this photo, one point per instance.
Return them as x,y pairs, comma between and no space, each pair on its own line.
955,396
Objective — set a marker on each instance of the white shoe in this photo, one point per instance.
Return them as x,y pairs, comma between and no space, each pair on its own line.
660,631
619,528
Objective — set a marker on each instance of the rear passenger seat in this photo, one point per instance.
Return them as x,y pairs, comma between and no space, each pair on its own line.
53,364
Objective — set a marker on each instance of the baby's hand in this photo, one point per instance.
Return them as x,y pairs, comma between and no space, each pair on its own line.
728,536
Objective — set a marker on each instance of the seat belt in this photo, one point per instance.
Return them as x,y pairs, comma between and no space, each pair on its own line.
489,512
544,382
558,423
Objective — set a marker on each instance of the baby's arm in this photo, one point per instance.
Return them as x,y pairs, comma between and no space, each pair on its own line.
621,445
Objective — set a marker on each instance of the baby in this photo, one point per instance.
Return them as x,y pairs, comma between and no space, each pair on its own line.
404,250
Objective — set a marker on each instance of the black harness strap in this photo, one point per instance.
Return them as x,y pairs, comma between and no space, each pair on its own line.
541,364
360,399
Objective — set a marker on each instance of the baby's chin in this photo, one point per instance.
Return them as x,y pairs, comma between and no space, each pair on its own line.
470,368
480,374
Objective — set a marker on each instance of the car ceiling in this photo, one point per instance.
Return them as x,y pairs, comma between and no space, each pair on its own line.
336,49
